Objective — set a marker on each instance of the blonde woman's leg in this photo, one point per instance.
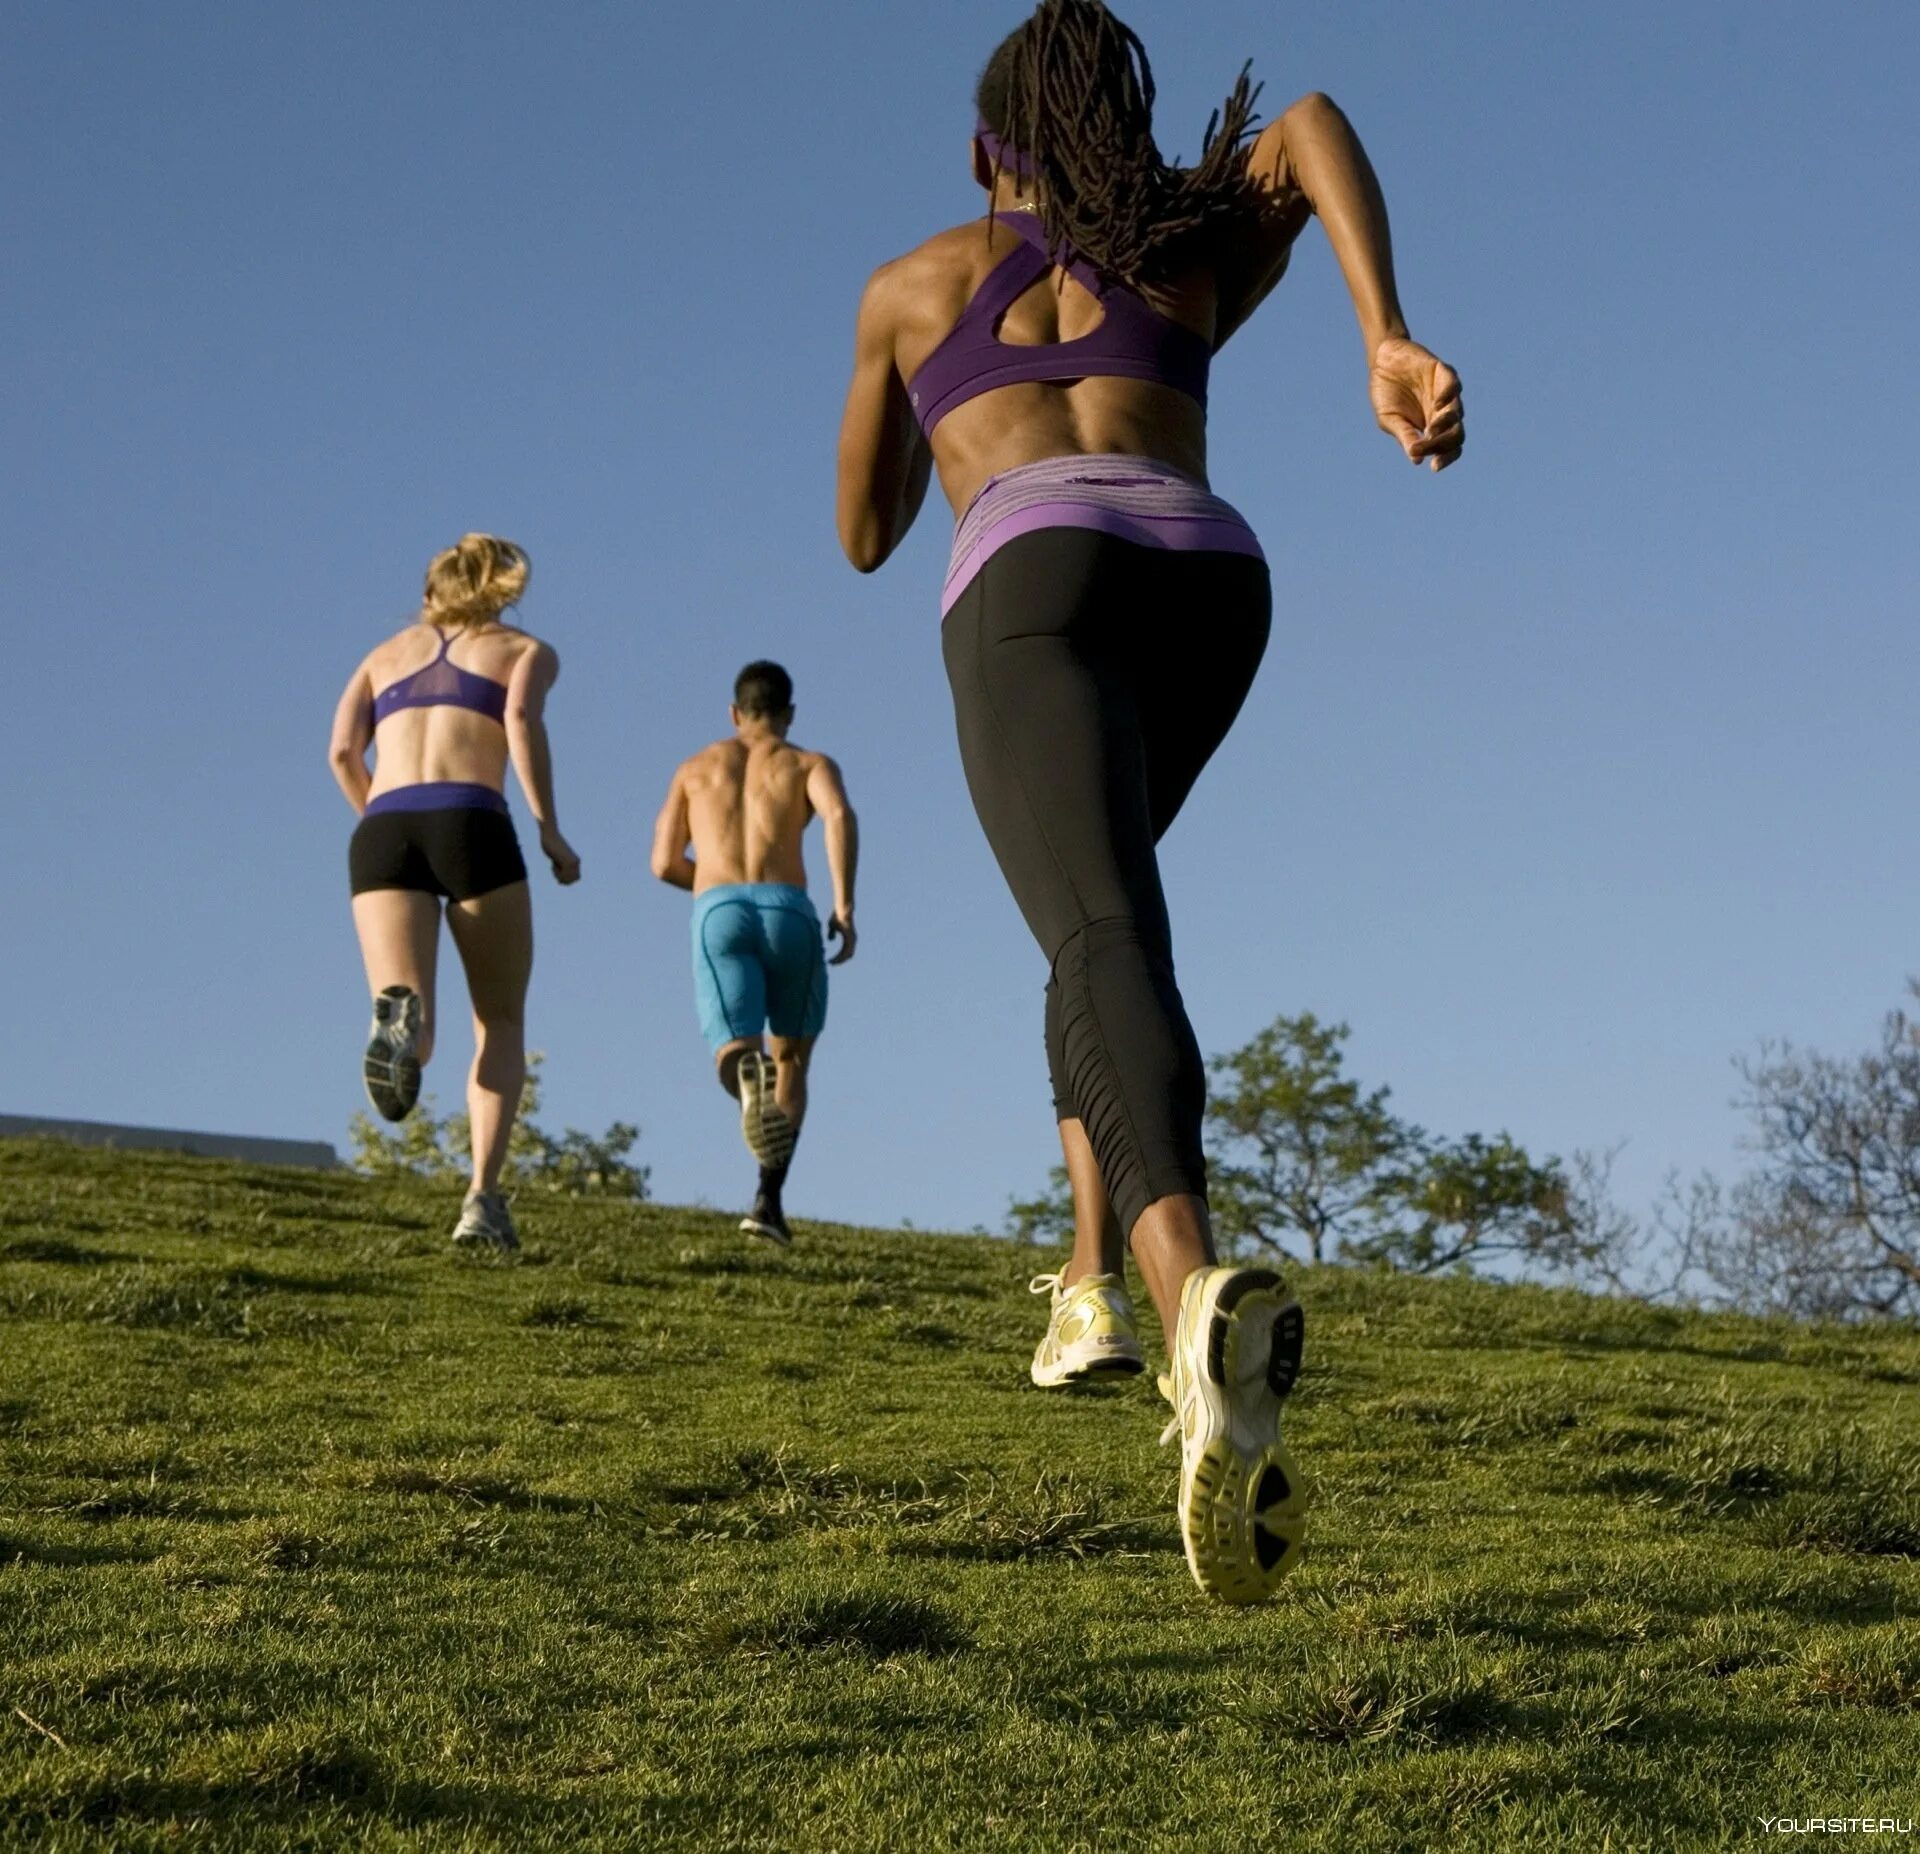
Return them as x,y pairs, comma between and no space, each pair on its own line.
494,935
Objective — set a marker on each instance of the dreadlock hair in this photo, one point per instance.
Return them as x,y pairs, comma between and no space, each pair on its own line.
1072,90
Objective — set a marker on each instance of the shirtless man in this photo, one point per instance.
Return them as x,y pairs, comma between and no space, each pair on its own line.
742,806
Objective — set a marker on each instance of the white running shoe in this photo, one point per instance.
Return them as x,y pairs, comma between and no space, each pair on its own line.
486,1223
769,1134
391,1067
1243,1504
1089,1331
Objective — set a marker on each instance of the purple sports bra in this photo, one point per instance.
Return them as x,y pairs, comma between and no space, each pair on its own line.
443,684
1134,341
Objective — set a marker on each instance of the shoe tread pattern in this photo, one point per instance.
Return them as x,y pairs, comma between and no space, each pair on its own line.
1245,1515
390,1070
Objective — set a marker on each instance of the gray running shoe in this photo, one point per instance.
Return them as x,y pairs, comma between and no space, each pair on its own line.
769,1134
486,1223
391,1069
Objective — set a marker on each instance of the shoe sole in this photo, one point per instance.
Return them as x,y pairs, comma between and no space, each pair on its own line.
766,1129
1095,1364
752,1226
390,1070
1243,1503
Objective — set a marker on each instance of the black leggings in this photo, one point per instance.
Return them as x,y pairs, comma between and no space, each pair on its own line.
1092,680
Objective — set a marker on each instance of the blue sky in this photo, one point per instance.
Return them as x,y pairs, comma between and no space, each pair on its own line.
1569,774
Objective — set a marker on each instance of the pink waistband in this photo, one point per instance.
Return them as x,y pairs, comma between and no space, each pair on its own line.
1134,498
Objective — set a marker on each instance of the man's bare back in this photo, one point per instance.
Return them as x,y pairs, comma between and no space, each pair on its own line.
748,807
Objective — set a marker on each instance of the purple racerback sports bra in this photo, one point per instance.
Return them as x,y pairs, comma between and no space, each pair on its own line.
1134,341
443,684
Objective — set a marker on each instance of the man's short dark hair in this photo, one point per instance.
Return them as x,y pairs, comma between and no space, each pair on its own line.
763,691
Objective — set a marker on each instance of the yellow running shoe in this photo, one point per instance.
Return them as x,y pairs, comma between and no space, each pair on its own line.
1089,1331
1243,1504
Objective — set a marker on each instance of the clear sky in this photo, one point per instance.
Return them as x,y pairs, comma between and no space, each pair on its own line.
1569,774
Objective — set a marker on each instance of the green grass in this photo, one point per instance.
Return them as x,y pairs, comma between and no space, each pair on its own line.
313,1535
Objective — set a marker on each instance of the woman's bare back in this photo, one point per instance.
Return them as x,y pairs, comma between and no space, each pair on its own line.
929,290
417,746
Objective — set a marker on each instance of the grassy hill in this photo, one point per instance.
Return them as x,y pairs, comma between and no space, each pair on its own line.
313,1535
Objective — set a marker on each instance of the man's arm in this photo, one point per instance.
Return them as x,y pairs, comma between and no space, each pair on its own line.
352,735
673,835
827,794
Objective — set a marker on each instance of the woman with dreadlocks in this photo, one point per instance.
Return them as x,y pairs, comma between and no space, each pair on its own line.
1102,620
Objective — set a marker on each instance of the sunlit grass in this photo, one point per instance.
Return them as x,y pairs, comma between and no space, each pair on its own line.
314,1535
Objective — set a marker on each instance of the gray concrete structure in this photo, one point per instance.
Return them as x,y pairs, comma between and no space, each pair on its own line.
311,1152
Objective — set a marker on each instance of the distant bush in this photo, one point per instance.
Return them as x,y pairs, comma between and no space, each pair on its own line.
573,1163
1046,1219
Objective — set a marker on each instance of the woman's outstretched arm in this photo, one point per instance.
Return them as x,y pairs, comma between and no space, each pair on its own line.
884,460
1311,152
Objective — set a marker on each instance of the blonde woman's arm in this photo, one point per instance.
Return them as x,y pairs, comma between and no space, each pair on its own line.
526,718
352,736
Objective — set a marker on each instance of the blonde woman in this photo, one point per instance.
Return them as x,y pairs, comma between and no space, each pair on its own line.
446,703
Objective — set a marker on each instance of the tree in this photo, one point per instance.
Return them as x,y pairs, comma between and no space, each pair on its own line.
1828,1223
574,1163
1047,1220
1467,1200
1825,1226
1298,1148
1300,1154
1657,1259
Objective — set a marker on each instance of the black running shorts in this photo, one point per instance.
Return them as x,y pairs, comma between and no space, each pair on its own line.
458,853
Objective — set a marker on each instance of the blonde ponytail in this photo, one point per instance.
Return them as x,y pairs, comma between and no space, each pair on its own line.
474,582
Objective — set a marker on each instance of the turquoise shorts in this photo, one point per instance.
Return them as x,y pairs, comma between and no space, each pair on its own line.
759,962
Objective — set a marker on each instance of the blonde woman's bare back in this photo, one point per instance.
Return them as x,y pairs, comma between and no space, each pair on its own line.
445,742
